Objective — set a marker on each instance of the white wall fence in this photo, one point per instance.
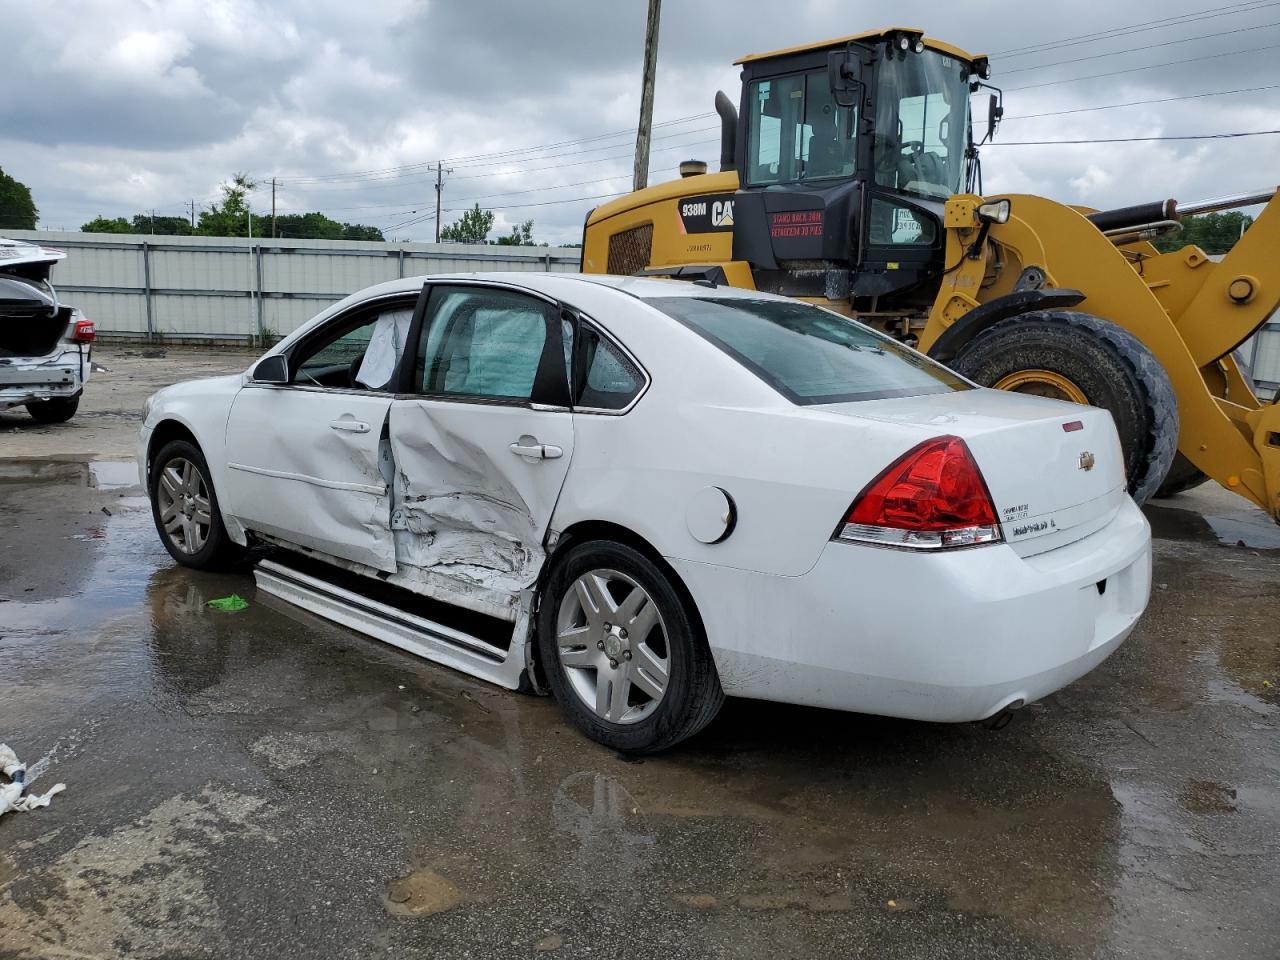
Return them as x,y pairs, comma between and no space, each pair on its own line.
231,288
228,288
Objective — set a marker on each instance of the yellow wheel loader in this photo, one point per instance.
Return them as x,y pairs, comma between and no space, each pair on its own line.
850,178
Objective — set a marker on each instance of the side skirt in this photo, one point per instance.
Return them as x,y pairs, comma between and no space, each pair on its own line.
410,632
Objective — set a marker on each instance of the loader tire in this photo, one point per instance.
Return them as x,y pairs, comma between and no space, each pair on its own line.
1183,476
1080,357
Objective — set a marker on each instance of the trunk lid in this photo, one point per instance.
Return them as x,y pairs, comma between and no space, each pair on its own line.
1054,469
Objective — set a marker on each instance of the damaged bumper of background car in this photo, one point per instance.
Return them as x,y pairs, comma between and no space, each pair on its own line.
57,376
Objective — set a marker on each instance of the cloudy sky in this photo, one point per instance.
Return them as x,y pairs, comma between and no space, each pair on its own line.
114,107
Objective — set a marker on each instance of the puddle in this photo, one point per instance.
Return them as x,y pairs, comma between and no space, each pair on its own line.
97,474
1244,528
113,474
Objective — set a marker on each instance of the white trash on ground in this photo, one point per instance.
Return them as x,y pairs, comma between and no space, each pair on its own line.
11,793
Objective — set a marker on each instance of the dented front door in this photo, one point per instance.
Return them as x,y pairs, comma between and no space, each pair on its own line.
305,464
482,451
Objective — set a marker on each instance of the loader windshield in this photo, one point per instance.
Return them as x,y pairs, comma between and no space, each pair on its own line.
922,123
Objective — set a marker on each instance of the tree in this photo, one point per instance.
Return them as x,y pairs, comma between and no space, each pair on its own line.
359,231
161,226
316,226
231,217
521,235
101,224
17,209
472,227
1212,232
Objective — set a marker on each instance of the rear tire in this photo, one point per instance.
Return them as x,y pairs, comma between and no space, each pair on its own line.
196,537
1183,476
631,669
1105,364
53,411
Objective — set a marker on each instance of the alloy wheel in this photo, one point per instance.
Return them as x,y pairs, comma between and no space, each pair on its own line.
613,646
183,501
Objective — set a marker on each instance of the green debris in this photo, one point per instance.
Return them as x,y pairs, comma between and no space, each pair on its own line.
231,603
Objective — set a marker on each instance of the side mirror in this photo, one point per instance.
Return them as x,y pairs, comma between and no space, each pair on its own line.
272,369
994,114
843,72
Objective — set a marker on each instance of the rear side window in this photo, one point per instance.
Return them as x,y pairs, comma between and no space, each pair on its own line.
807,354
609,381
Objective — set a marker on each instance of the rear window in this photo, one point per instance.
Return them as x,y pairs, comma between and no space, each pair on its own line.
810,355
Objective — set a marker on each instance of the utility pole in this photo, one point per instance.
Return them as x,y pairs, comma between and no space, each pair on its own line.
193,217
273,208
646,95
153,220
440,172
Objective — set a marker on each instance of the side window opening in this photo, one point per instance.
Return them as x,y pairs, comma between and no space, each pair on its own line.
361,353
481,342
610,381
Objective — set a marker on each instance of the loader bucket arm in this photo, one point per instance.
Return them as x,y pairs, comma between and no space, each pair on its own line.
1188,311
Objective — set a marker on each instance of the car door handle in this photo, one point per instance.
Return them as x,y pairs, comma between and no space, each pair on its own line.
354,426
536,451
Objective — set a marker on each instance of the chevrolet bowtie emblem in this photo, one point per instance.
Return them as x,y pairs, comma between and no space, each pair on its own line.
1087,461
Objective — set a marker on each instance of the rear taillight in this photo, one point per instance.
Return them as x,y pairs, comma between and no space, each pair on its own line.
931,497
83,332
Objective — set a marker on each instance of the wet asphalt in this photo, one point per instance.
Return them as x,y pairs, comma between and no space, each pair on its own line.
263,784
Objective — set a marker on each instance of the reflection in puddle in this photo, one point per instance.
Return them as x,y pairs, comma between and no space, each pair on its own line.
97,474
1248,528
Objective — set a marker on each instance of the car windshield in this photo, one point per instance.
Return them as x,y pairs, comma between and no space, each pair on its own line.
810,355
922,123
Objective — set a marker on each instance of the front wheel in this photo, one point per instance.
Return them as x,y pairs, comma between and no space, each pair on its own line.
624,653
54,411
1085,359
184,506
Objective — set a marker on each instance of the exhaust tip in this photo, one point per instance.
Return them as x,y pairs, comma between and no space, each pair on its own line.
1002,717
693,168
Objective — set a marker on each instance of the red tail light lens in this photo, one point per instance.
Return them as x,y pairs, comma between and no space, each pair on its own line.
84,331
931,497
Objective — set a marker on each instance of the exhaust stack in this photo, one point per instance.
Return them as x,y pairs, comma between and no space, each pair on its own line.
728,130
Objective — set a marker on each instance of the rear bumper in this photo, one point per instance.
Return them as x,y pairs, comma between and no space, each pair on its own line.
58,376
950,637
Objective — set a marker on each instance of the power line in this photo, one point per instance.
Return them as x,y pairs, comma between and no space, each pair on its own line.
1150,66
1146,26
1189,136
411,177
474,158
1150,46
1139,103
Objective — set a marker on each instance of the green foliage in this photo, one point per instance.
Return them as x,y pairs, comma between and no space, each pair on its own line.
161,226
360,231
1212,232
230,218
316,226
472,227
521,236
103,225
17,209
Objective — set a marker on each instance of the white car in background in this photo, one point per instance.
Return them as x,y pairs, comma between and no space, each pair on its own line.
45,346
648,494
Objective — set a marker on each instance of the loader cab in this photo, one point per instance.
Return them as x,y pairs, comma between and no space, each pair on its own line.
846,152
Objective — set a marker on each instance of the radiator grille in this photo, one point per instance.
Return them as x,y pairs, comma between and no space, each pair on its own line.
629,250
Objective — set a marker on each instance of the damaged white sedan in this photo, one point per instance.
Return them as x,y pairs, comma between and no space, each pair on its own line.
645,495
45,346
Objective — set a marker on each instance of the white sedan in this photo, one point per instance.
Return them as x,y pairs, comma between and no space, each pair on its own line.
644,495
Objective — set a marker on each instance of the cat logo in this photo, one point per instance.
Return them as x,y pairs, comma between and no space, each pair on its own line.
1087,461
706,214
